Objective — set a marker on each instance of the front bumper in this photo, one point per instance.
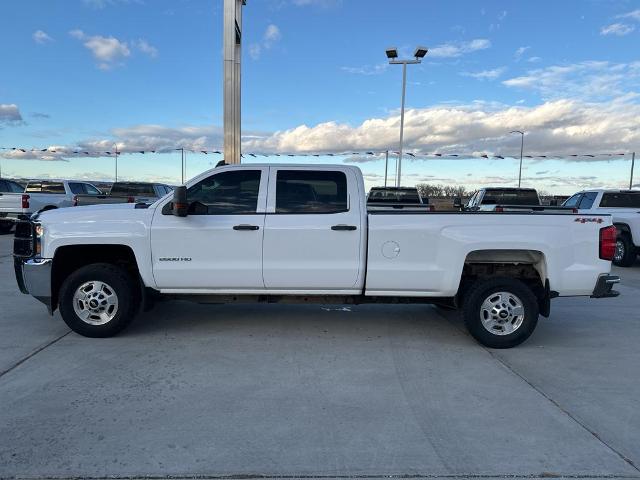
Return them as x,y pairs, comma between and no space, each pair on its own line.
604,286
33,276
33,273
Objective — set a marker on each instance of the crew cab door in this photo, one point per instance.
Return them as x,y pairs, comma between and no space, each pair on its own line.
218,245
313,235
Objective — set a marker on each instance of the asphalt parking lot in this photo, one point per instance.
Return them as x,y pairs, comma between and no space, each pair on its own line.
288,391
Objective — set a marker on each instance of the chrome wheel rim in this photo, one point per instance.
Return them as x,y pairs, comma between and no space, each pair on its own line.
619,253
502,313
95,303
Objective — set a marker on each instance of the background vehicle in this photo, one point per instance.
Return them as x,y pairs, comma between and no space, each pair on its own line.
487,199
624,207
10,203
42,195
399,198
302,233
127,192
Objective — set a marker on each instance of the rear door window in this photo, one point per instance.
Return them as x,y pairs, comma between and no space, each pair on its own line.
573,201
587,200
303,191
621,200
76,188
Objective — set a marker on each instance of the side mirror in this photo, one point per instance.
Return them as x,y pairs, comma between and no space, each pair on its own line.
180,205
457,202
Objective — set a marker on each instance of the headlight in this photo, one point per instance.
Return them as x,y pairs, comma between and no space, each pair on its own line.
37,241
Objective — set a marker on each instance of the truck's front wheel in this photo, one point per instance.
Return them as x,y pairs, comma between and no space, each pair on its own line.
500,312
98,300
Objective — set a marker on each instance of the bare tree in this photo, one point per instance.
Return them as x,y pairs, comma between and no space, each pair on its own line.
429,190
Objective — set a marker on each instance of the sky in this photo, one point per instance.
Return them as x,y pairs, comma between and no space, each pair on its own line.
147,75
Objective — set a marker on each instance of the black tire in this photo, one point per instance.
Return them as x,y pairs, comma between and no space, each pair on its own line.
5,227
119,282
627,255
482,290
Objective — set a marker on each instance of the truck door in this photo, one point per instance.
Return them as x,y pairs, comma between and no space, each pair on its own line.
218,245
313,230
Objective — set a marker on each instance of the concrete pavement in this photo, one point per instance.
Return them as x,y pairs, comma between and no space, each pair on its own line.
286,390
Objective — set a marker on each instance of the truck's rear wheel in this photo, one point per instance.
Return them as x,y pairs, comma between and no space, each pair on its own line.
500,312
625,254
98,300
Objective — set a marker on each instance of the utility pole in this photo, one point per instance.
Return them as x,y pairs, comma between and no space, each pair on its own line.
116,162
182,163
633,161
232,50
521,150
386,166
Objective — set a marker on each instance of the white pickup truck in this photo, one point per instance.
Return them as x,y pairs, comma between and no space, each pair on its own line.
624,208
42,195
301,233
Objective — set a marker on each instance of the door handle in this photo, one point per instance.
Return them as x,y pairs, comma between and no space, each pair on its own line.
246,227
344,227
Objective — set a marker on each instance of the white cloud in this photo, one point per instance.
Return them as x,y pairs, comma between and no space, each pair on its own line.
533,59
449,50
519,52
255,50
588,80
618,29
146,48
367,69
108,51
9,113
558,127
41,37
634,15
486,74
271,36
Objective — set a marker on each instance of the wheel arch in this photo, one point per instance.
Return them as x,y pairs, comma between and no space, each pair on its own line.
70,258
528,266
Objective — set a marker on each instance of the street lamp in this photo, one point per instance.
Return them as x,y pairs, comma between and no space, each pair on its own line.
392,55
521,150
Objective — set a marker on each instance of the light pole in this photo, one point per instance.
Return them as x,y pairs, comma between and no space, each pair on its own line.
116,145
392,55
521,150
633,163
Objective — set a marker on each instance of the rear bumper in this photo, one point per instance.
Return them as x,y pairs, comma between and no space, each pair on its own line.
11,216
604,286
33,276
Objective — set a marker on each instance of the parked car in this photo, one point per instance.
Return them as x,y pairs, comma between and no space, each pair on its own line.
127,192
39,195
624,207
398,198
8,212
302,233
